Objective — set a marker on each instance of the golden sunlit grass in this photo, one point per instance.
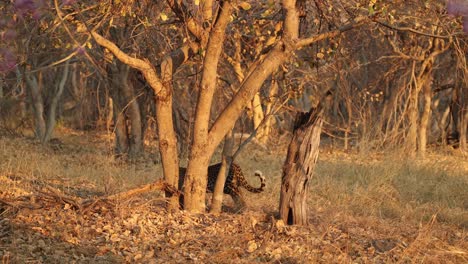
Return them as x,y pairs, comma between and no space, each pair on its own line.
385,187
363,201
395,189
73,164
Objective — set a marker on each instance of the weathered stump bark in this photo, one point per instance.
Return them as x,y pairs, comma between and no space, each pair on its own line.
299,166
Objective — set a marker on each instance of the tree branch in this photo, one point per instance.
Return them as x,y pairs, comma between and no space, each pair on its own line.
356,23
411,30
142,65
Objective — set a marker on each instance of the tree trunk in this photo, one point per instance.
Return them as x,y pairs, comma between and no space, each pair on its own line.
135,139
34,86
109,114
269,110
258,117
299,166
463,137
127,115
426,83
168,145
52,113
456,116
444,121
196,176
163,101
165,122
411,140
218,192
1,87
205,141
121,133
255,110
118,75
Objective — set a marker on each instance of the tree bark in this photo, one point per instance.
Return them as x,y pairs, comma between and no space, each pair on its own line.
52,113
118,74
427,92
218,192
425,121
258,117
463,137
135,137
411,140
268,110
121,133
464,130
168,146
163,101
196,176
205,141
455,116
255,110
34,86
165,122
1,87
299,167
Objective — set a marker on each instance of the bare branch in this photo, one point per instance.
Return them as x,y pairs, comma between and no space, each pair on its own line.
356,23
142,65
412,30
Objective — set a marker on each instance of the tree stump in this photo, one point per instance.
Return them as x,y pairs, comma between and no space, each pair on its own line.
299,166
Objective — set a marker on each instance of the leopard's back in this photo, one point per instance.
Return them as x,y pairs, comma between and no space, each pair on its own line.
234,180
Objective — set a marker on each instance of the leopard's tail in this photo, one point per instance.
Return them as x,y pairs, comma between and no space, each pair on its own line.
249,188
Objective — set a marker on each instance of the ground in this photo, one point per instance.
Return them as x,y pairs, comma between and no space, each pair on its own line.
364,208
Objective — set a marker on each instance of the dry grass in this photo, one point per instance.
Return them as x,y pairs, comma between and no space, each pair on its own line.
392,188
78,161
374,208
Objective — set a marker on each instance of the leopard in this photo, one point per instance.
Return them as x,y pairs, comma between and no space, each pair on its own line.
234,181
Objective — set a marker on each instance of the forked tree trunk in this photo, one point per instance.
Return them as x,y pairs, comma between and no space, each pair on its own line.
34,87
52,113
206,139
299,166
43,129
162,88
196,176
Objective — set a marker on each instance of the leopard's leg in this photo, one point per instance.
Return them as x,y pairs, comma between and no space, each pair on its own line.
239,201
181,201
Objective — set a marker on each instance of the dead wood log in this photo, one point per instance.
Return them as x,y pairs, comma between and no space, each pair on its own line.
299,166
158,185
51,195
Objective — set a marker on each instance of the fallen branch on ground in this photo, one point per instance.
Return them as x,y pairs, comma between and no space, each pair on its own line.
53,195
